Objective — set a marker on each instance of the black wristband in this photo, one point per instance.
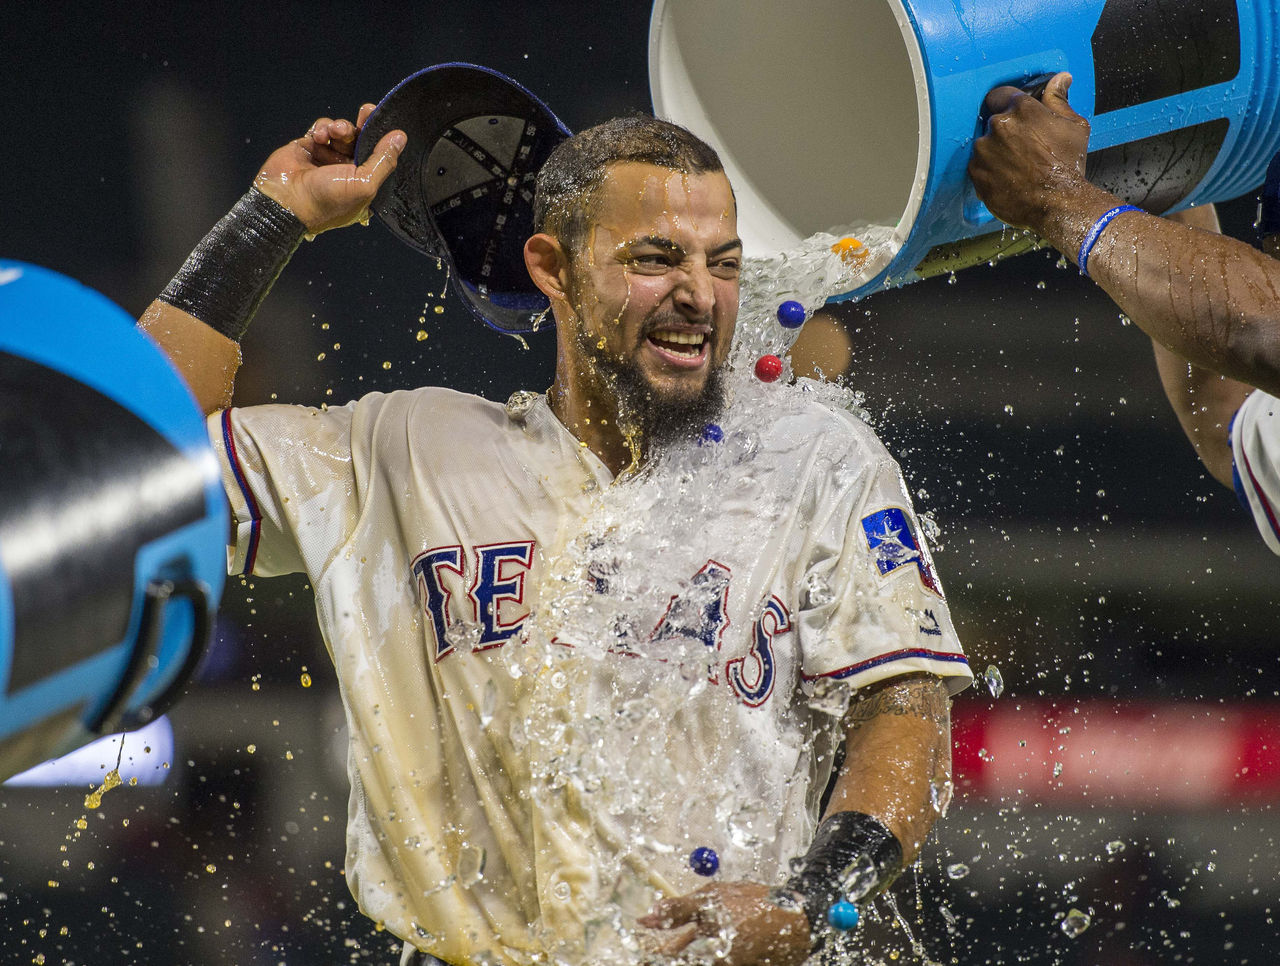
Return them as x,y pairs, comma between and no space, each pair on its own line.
851,856
225,279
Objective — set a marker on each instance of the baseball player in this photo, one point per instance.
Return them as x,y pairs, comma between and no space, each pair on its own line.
1210,304
601,648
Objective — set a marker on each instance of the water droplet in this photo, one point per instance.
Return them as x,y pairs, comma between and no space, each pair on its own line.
488,703
940,794
1115,847
993,680
471,866
957,870
819,591
519,403
1075,922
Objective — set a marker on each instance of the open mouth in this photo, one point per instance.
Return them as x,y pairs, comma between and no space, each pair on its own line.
686,347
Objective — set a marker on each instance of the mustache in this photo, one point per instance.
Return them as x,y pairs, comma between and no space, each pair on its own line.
673,321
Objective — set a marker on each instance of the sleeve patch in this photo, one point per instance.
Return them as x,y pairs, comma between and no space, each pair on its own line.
893,544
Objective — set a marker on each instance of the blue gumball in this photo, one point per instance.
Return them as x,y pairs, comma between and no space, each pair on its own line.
843,916
791,314
711,433
704,861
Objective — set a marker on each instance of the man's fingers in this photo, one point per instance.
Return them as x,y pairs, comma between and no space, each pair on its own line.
338,134
1000,100
379,165
365,111
679,940
318,133
1055,95
322,154
676,911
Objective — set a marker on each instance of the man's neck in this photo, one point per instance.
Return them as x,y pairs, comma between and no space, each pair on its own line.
595,424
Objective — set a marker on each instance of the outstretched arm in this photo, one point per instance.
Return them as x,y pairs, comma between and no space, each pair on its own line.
1210,300
313,186
895,780
1204,401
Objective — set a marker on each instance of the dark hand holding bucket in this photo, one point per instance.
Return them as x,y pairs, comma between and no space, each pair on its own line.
835,114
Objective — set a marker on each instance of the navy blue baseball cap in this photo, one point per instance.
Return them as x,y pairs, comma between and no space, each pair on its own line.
463,188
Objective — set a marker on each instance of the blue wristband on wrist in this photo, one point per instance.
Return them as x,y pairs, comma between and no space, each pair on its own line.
1095,233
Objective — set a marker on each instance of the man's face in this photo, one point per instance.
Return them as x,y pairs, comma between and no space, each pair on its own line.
655,286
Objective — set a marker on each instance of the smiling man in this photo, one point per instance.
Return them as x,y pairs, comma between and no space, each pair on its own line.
595,643
646,298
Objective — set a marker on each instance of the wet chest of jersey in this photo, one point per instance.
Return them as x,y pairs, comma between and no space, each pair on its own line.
618,570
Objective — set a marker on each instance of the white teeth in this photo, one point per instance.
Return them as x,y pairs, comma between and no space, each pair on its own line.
684,338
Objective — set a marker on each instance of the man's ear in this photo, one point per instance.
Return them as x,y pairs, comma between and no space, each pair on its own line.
548,266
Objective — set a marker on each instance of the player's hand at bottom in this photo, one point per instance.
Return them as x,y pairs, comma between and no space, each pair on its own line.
756,930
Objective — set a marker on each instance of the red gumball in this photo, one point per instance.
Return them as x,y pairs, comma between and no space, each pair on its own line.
768,368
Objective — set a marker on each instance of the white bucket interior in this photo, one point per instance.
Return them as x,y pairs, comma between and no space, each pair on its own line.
819,110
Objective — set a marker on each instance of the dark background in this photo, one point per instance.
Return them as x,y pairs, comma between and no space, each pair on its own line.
1085,552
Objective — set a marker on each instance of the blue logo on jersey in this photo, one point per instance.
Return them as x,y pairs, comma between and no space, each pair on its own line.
893,544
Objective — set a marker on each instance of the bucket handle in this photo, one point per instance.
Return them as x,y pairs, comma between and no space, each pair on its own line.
156,599
975,212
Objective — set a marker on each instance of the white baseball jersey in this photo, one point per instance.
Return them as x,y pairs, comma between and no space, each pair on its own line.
1255,450
557,684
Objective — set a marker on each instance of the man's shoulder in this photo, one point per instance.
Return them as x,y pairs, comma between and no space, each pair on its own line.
830,415
426,407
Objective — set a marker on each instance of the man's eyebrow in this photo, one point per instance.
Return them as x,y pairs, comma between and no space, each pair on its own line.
666,244
656,241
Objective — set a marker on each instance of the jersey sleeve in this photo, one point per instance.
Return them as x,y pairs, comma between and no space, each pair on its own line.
290,477
1255,452
873,605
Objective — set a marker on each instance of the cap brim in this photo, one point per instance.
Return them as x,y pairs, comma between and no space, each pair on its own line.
463,188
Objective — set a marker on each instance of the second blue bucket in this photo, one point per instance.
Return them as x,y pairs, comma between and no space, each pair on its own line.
843,113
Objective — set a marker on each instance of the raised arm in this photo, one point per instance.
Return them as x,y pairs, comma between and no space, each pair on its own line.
308,186
1211,300
894,784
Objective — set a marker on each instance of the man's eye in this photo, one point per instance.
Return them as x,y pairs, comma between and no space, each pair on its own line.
728,266
651,261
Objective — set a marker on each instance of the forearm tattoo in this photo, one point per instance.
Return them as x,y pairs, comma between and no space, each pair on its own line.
917,697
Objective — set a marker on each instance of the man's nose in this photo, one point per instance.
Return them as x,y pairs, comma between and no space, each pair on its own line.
695,295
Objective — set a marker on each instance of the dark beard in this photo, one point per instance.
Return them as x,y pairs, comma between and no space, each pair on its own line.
657,421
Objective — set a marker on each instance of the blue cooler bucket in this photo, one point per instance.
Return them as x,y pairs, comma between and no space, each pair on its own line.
113,523
839,114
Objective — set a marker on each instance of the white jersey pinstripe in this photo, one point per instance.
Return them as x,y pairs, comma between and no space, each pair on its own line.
578,678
